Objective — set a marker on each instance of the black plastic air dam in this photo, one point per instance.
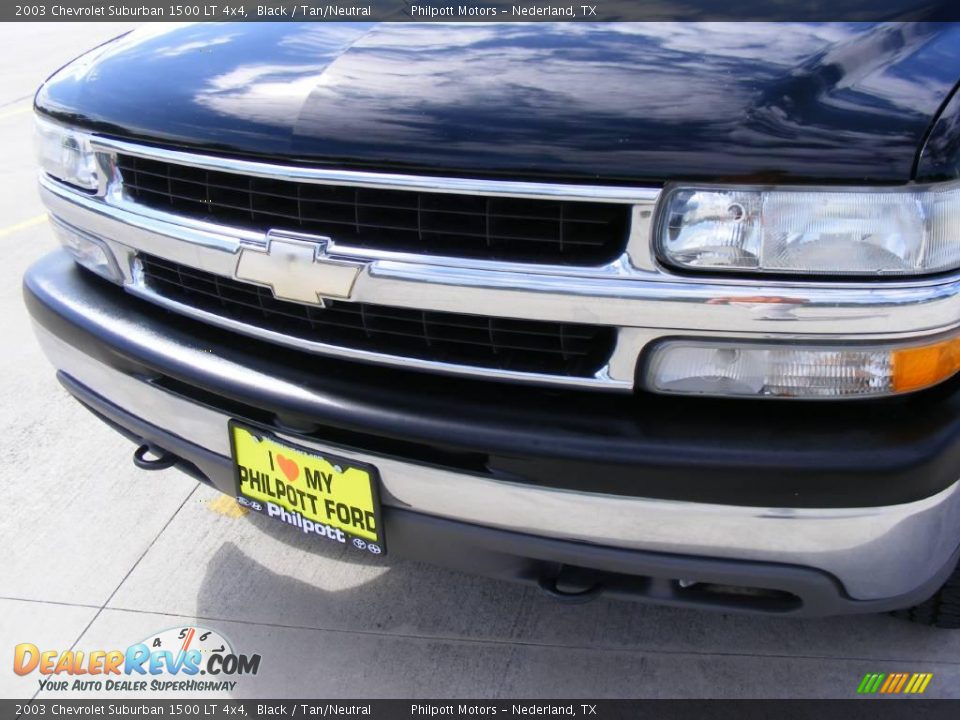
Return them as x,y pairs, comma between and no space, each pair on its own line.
568,571
770,454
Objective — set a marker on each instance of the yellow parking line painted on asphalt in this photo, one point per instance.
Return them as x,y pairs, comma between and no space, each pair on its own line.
16,111
23,225
226,505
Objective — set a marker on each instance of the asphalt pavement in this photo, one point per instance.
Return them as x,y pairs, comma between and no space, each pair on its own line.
99,555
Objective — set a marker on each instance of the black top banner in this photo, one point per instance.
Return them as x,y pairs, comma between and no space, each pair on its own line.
213,709
480,10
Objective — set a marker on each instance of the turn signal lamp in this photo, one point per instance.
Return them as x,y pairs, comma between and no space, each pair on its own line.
88,251
694,367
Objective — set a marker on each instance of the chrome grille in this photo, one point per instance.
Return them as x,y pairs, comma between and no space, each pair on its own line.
482,341
427,223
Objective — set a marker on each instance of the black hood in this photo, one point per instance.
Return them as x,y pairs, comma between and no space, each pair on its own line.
611,102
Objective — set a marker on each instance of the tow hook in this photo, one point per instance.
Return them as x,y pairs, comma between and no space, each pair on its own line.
570,585
161,459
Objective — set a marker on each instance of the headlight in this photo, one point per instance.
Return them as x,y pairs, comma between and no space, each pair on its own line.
695,367
66,154
795,231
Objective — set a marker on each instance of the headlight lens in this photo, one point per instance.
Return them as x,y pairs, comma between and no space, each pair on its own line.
858,232
66,154
694,367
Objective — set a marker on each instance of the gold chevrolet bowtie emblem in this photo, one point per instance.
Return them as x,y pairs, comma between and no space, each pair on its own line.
297,268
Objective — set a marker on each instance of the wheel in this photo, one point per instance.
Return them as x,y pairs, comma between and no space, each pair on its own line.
942,610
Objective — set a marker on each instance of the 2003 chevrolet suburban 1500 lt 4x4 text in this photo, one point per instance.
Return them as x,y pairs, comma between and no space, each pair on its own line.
663,311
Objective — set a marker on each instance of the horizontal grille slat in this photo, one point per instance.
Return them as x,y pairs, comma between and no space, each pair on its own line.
375,226
481,341
467,213
428,223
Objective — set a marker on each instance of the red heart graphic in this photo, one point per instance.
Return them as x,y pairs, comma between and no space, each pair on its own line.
289,467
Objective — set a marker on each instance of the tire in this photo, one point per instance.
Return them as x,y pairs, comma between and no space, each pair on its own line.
942,610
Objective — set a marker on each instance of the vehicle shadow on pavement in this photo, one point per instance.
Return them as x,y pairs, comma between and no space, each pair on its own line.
348,624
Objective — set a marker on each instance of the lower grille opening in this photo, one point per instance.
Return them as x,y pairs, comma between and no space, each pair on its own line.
570,583
482,341
752,598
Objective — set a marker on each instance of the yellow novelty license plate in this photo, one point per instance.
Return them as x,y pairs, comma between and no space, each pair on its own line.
320,495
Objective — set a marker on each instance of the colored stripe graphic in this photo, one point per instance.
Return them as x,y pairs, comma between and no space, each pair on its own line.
870,683
900,684
918,683
894,683
891,681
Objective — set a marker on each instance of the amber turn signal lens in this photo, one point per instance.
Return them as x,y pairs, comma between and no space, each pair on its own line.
784,370
920,367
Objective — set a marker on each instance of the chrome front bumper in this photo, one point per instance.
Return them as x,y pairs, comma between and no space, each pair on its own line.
875,552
